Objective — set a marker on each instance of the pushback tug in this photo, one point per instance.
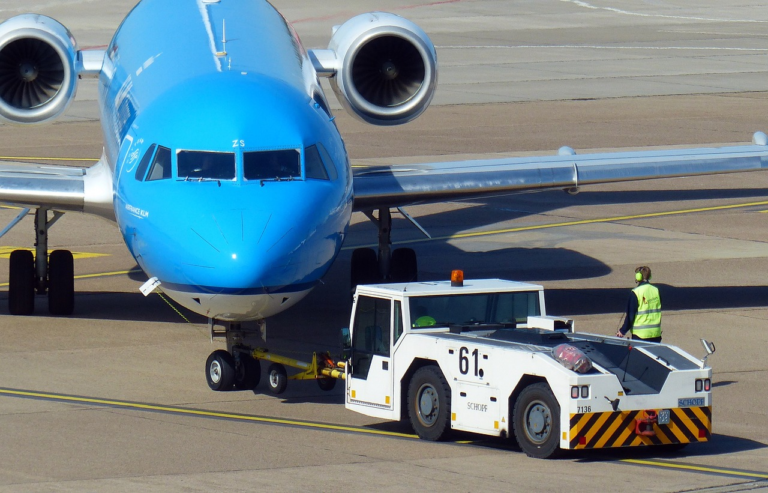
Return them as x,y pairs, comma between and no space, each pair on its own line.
483,356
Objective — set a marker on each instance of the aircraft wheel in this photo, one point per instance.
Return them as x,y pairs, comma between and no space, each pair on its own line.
364,267
61,283
21,283
404,267
429,403
277,378
220,370
326,384
247,373
536,421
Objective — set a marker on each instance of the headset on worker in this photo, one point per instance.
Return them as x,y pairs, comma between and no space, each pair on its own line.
642,273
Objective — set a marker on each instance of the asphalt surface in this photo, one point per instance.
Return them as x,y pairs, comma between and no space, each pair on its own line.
114,398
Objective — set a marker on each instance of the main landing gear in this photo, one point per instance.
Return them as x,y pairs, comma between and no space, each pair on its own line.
40,273
386,265
239,367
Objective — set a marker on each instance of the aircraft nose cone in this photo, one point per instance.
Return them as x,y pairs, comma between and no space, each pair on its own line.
235,248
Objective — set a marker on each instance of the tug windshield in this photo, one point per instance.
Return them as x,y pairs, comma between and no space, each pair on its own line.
508,309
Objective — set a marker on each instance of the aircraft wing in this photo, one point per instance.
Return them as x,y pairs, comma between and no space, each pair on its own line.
58,188
40,185
401,185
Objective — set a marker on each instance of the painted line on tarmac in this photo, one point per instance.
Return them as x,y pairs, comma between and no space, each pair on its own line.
183,411
200,413
719,471
579,222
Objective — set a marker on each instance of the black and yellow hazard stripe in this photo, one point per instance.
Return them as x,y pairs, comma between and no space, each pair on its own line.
617,429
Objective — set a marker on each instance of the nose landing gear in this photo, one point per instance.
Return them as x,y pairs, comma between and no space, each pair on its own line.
239,367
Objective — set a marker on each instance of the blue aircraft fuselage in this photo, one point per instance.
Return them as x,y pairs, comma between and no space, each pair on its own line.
232,185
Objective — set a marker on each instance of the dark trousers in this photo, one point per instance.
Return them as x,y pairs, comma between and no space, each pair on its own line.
650,339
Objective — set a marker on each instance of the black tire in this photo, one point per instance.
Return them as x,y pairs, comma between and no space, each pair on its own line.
247,372
364,267
326,384
404,267
536,421
220,370
61,283
277,378
429,403
21,283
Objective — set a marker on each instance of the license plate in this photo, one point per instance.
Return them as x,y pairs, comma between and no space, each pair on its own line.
663,418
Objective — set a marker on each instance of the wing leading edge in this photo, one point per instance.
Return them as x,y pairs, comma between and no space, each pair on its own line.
59,188
401,185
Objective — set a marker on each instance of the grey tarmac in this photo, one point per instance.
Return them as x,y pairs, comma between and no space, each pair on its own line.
516,77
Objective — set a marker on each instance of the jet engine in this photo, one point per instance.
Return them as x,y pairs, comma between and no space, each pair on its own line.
386,68
38,69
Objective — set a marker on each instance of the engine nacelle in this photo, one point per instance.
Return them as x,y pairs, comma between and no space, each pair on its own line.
386,68
38,69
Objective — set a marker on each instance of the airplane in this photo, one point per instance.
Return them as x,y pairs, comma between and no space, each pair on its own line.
223,168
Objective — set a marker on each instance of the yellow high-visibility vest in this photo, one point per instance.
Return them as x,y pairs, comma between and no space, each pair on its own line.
648,319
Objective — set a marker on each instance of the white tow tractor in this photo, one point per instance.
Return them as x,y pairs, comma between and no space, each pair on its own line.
483,356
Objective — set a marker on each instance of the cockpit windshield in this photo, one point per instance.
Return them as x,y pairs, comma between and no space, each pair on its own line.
206,165
474,309
272,165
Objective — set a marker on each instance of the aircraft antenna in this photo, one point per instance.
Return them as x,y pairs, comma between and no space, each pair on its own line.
223,51
224,35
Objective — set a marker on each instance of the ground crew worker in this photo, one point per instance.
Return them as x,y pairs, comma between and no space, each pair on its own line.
643,318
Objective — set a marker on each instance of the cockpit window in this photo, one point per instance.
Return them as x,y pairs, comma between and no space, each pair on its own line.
313,164
206,165
271,165
141,170
329,164
161,166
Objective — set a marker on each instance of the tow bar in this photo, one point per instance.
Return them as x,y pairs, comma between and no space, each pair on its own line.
322,368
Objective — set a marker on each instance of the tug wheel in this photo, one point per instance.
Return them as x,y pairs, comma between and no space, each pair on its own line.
220,370
429,403
326,384
536,421
277,378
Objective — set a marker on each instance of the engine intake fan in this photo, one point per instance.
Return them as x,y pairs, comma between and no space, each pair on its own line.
38,69
31,73
385,68
388,71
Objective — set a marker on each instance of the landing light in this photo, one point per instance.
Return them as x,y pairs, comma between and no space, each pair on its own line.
234,256
457,278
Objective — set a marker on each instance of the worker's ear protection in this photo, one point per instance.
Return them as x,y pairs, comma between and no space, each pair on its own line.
639,274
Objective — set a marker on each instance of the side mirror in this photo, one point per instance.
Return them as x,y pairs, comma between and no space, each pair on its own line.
346,339
709,347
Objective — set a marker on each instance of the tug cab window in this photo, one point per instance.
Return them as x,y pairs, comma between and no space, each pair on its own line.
161,165
206,165
474,309
272,165
371,335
